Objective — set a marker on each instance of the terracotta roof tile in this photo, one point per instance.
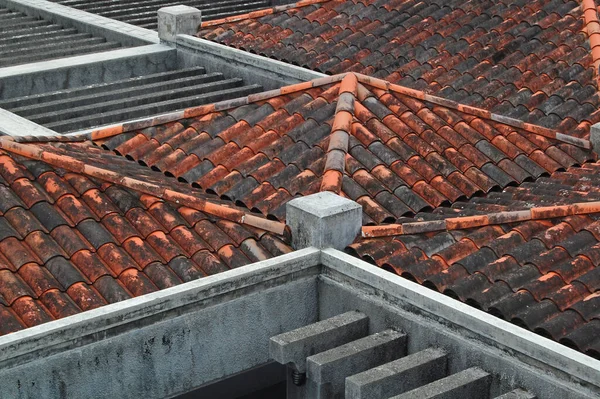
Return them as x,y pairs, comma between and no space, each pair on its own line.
379,137
537,274
70,242
490,210
533,62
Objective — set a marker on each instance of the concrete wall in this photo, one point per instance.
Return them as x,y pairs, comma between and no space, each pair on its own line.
169,357
41,77
210,329
254,69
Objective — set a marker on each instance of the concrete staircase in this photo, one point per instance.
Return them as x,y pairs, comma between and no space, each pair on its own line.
340,358
107,103
25,39
143,13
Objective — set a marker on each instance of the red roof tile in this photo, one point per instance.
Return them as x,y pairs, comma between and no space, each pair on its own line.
70,242
532,273
397,151
528,59
490,200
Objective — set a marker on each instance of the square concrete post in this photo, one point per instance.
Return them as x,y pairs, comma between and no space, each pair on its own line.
323,220
178,20
595,137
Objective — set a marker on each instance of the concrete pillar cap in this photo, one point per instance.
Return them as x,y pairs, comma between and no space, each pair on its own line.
178,20
323,220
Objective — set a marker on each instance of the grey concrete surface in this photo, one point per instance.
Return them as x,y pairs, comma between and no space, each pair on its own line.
470,383
66,73
595,137
398,376
293,347
323,220
16,126
111,29
254,69
85,95
327,371
178,20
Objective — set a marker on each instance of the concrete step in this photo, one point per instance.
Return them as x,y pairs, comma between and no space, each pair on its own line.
517,394
20,102
214,95
470,383
398,376
293,347
326,372
213,82
95,99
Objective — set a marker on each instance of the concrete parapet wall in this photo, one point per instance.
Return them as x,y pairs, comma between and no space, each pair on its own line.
192,334
66,73
254,69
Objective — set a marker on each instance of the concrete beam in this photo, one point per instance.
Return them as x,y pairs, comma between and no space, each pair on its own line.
166,343
70,332
129,35
254,69
323,220
470,383
399,376
178,20
293,347
327,371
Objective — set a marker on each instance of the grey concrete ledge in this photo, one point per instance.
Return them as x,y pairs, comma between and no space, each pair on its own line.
16,126
67,73
70,62
496,332
111,29
253,68
69,331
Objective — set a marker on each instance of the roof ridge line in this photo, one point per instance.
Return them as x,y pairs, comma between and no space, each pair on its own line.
590,18
335,162
479,112
125,127
74,165
260,13
468,222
